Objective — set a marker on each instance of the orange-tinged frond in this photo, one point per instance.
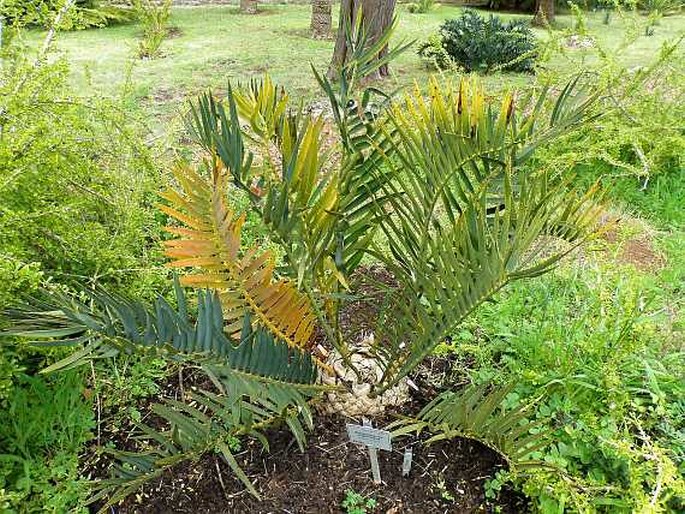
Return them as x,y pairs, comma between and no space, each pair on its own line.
210,242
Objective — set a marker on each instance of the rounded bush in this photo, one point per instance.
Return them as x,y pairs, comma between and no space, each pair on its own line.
484,44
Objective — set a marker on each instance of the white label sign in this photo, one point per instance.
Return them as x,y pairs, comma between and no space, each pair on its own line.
371,437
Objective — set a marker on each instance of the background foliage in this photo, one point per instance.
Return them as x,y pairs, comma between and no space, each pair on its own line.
84,14
76,189
481,44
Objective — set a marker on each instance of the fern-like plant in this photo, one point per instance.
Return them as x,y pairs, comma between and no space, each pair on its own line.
438,189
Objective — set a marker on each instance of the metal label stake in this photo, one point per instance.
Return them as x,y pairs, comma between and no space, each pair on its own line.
373,457
406,462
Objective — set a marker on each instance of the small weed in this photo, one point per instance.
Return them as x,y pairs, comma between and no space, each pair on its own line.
355,503
155,19
442,490
234,444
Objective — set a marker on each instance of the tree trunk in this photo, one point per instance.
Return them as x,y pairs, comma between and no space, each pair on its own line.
321,18
248,6
377,17
544,13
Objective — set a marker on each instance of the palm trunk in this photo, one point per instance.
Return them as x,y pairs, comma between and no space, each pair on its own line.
321,18
377,16
544,13
248,6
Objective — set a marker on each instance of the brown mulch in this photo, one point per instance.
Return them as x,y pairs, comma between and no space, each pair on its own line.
445,477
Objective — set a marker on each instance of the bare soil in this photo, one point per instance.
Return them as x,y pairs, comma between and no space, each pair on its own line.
446,478
637,251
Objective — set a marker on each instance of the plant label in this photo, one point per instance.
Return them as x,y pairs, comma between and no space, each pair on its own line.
374,439
369,436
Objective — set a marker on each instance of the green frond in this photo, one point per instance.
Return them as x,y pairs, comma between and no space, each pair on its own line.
461,216
202,423
263,106
477,413
258,379
105,323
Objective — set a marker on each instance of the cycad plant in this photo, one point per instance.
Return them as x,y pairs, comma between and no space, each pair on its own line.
440,189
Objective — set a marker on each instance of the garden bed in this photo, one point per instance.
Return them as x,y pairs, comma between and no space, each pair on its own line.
445,477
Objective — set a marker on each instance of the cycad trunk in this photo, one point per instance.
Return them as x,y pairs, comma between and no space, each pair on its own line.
544,13
377,17
248,6
321,18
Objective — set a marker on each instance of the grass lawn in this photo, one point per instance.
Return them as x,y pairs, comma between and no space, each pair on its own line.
215,44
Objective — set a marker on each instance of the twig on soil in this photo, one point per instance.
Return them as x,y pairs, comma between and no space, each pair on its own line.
218,474
180,383
235,495
97,400
333,448
425,470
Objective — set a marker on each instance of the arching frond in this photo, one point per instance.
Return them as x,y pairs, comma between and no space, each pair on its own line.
210,242
105,323
477,413
463,216
257,379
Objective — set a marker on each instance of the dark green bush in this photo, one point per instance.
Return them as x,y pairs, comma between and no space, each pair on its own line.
485,44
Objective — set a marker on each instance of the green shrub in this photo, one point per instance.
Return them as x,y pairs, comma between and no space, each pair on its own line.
487,44
273,372
76,193
639,148
154,18
76,184
434,54
84,14
77,187
421,7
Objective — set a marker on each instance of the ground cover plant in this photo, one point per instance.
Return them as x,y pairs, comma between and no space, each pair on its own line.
580,369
